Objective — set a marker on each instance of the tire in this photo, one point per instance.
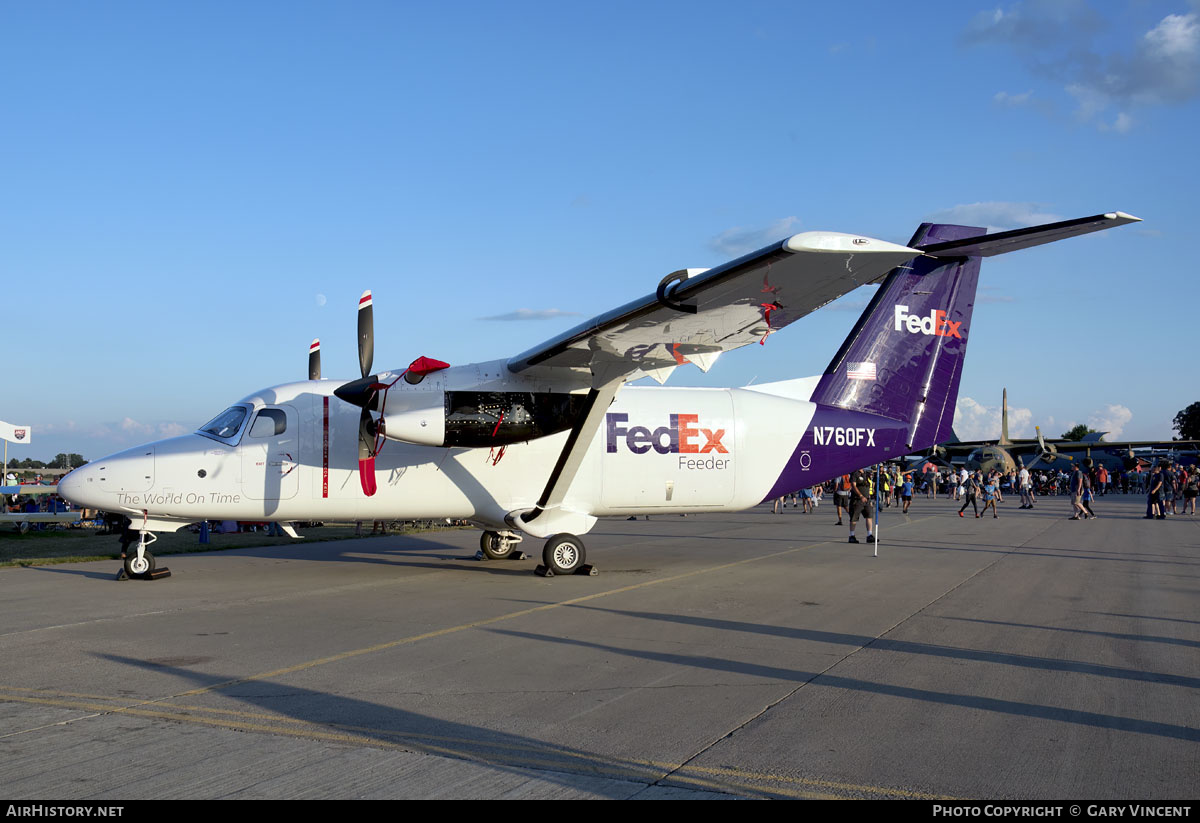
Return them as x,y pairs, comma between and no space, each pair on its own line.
564,554
134,567
494,547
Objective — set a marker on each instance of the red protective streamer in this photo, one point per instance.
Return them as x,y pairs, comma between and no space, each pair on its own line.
767,309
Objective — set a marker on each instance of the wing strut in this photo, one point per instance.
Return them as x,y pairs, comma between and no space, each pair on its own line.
547,518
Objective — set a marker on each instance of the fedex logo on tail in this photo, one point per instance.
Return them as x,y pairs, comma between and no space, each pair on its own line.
935,324
681,436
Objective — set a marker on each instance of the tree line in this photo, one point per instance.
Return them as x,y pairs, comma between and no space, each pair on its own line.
60,461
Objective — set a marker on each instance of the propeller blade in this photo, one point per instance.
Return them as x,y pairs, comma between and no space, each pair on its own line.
314,360
366,454
366,333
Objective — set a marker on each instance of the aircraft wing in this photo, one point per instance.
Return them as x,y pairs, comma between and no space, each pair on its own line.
697,314
1123,445
988,245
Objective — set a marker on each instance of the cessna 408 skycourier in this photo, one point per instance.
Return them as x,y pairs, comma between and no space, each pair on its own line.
545,442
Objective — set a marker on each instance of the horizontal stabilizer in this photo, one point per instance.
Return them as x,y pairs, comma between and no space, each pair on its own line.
988,245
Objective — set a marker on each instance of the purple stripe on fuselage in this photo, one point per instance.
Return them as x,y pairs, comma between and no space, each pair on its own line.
836,442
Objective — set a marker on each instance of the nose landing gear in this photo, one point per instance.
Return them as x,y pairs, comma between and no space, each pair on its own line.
500,546
141,565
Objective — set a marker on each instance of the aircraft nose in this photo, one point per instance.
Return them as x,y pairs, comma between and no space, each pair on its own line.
71,487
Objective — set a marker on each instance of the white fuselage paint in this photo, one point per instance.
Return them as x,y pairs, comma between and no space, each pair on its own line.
678,449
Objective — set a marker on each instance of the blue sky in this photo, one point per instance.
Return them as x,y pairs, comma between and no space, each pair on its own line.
190,192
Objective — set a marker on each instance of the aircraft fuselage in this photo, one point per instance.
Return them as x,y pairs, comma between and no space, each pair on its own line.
659,449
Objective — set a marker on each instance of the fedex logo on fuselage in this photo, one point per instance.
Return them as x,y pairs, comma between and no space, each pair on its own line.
936,323
681,436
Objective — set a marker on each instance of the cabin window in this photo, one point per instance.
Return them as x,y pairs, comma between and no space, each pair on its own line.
269,423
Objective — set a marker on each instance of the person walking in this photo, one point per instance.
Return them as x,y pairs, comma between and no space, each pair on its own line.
1026,485
1076,491
970,486
1191,489
861,503
841,496
1153,500
990,495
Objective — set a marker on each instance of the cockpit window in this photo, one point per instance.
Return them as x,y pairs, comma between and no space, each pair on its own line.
268,423
226,424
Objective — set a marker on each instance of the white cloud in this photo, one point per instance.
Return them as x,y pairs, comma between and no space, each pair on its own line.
995,215
1112,419
975,421
740,240
1005,99
1053,38
532,314
1121,125
134,428
986,294
172,429
1176,38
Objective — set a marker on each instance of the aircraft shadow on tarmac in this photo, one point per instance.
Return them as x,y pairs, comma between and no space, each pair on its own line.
989,704
78,572
387,550
1031,551
854,642
393,728
1147,617
1136,638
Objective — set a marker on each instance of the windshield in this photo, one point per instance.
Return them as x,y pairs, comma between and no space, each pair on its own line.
226,424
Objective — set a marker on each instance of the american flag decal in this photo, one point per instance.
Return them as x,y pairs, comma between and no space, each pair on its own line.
860,371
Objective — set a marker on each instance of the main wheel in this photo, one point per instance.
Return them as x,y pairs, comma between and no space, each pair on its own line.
134,565
494,546
564,553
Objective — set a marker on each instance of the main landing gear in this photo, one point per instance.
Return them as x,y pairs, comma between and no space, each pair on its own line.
564,554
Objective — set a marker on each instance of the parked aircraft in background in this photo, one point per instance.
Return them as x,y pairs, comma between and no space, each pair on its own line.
544,443
1008,455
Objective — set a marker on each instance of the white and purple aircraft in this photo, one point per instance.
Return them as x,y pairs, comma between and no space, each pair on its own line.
544,443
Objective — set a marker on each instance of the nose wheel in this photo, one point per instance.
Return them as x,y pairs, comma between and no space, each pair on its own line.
500,545
140,564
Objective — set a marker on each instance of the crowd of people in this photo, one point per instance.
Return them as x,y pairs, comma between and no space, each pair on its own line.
1170,489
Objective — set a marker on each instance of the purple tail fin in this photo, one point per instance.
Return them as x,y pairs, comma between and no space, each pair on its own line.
904,358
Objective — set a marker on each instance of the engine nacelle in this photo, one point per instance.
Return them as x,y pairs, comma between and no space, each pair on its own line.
418,418
478,419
